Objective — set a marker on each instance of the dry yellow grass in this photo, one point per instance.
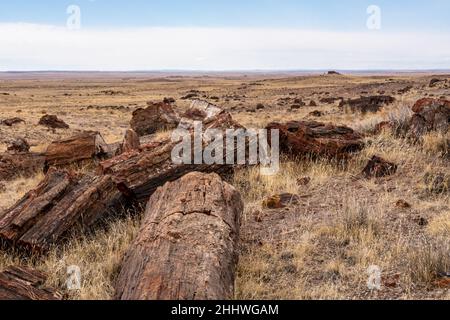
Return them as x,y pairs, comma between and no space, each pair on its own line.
319,249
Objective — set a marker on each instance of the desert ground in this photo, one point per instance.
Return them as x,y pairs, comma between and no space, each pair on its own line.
318,248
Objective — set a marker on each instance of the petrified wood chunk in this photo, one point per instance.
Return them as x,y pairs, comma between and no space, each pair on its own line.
20,283
302,138
53,122
187,247
430,115
20,164
378,167
157,116
85,146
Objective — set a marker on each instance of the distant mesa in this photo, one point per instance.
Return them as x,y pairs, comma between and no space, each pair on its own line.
335,73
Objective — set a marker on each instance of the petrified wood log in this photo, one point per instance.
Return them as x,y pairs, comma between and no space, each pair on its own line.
187,246
303,138
59,203
20,164
139,173
85,146
19,283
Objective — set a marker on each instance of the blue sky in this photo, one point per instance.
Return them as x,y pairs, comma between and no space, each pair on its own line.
318,14
227,35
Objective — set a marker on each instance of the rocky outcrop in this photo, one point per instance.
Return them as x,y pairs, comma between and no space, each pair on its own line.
187,247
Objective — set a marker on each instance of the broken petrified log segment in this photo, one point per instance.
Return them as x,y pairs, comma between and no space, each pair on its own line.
187,247
85,146
157,116
130,142
139,173
303,138
20,283
280,201
368,104
430,115
378,167
53,122
59,203
21,164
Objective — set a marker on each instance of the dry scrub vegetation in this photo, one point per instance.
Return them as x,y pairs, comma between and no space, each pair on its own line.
320,248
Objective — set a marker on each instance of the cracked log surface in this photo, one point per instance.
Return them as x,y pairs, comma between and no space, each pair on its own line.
20,283
187,247
58,204
139,173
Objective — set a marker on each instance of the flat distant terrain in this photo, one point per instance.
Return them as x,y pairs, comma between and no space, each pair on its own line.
319,248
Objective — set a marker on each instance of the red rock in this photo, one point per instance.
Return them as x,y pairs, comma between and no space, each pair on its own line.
378,167
12,121
281,201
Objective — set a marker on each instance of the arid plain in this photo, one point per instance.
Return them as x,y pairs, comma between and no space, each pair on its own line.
321,246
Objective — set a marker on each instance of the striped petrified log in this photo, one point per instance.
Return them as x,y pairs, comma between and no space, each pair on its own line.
187,246
139,173
19,283
59,203
85,146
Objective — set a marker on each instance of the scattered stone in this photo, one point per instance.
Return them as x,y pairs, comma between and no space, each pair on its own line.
316,113
296,106
378,167
405,90
312,103
12,121
260,106
19,145
306,138
2,187
189,96
157,116
330,100
402,204
281,201
169,100
53,122
303,181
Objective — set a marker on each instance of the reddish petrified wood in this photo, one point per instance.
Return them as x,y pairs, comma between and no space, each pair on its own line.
59,203
378,167
303,138
20,283
85,146
187,247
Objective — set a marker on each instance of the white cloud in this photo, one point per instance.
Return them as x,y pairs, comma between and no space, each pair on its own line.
41,47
